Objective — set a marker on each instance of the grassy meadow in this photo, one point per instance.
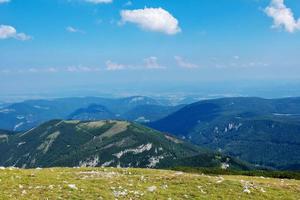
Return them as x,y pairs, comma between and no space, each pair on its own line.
113,183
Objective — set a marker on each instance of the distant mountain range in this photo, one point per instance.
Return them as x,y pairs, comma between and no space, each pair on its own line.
141,113
104,143
264,132
29,114
92,112
261,131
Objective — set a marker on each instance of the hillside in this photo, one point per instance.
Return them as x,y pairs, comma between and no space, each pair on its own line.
102,143
109,183
260,131
149,113
92,112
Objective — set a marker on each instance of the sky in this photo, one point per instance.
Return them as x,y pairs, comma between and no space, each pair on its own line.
105,45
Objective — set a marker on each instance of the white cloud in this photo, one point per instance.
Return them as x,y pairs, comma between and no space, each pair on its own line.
282,16
4,1
7,32
73,30
112,66
33,70
82,69
98,1
152,63
236,57
128,3
52,70
185,64
152,19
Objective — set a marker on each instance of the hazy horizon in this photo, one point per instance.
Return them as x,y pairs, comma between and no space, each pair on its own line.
59,48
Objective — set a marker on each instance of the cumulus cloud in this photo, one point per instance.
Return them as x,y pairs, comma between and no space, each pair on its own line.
282,16
7,32
82,69
152,63
128,3
4,1
73,30
113,66
152,19
98,1
185,64
53,70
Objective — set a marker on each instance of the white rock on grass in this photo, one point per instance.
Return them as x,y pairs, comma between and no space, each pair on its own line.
246,190
262,190
73,186
165,186
120,193
178,173
220,179
246,186
152,188
201,189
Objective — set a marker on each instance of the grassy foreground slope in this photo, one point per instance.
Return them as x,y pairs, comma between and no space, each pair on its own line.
111,183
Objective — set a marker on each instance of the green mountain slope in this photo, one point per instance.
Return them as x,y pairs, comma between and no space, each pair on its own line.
102,143
260,131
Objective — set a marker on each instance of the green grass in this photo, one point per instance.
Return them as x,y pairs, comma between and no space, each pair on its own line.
112,183
218,171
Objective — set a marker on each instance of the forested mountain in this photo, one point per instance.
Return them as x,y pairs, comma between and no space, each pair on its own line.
261,131
104,143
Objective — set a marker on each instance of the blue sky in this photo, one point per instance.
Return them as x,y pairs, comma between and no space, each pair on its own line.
76,43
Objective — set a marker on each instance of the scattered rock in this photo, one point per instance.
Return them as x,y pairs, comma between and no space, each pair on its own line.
262,190
73,186
152,189
165,186
220,179
246,190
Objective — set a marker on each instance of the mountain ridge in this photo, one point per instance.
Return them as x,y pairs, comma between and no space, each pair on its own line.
261,131
102,143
